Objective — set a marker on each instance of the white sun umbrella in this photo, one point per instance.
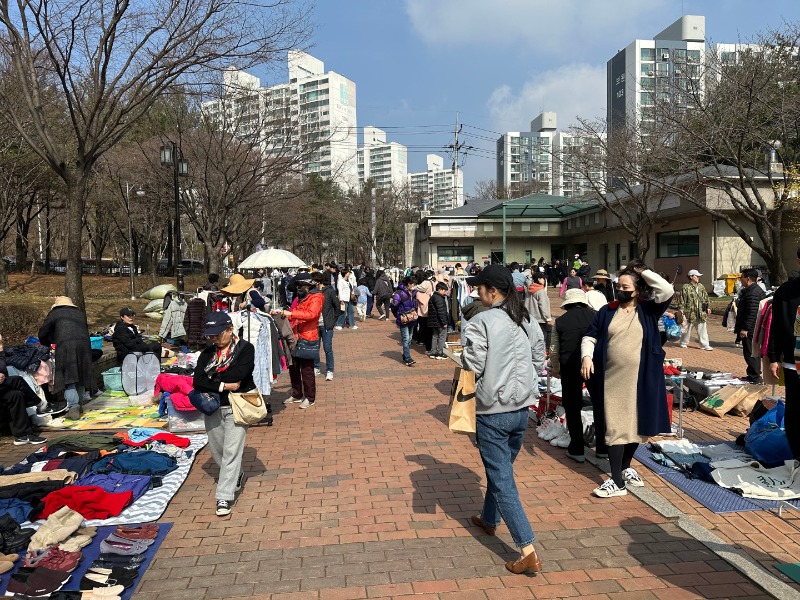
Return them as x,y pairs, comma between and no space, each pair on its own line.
272,258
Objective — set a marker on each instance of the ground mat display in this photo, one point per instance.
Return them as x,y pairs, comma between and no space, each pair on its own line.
92,551
110,413
715,498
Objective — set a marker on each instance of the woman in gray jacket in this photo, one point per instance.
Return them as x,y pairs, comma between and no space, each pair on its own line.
505,348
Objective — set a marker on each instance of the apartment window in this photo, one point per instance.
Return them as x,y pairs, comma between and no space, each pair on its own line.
683,242
648,54
647,83
662,54
662,69
647,71
646,99
693,55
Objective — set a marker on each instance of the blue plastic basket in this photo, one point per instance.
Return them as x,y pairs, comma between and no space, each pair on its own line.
112,379
97,343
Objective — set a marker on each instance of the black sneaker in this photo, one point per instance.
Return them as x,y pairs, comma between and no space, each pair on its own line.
29,439
240,481
223,508
53,408
410,362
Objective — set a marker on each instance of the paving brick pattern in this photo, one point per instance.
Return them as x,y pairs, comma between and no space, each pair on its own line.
368,495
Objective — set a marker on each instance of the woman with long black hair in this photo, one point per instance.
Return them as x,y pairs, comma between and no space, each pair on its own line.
505,348
622,363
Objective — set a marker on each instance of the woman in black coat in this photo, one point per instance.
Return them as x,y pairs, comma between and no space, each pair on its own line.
66,327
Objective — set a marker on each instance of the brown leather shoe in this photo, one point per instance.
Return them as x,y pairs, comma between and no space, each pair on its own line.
529,563
478,522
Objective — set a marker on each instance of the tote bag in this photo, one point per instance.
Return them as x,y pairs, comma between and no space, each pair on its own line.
248,408
462,404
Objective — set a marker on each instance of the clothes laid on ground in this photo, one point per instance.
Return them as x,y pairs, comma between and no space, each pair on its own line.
140,462
755,481
179,388
84,441
66,477
118,482
162,436
18,510
32,493
91,501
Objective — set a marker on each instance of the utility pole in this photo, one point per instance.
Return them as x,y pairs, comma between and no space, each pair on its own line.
372,228
456,146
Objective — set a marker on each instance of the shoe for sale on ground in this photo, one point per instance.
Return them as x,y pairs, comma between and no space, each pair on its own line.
317,373
58,560
562,441
632,478
39,582
73,413
543,424
609,489
329,376
29,439
576,457
223,508
555,430
123,547
306,404
292,400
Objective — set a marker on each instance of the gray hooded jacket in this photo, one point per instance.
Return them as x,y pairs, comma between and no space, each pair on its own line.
506,358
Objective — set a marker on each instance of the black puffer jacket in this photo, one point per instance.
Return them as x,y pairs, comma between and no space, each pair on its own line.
127,339
747,309
437,312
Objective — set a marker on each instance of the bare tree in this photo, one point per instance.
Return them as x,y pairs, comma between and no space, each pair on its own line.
109,61
612,168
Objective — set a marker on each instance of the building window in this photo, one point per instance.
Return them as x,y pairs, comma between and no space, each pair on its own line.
674,244
488,227
525,226
543,227
462,254
648,54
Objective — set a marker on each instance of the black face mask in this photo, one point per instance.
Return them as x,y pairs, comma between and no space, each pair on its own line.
302,292
624,296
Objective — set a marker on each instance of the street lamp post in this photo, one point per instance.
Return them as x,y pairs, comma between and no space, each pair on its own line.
131,261
171,157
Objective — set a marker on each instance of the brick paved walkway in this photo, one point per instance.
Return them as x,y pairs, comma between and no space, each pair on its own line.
368,495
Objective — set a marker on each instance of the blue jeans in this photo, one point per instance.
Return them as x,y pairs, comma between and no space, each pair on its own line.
73,394
499,438
326,335
347,314
370,303
406,331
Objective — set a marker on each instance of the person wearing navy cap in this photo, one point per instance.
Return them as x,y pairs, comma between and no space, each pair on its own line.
225,366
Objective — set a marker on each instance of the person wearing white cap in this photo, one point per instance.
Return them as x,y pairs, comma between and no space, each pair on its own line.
695,308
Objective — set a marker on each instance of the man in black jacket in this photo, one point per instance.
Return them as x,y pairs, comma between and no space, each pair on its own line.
438,319
565,357
784,332
327,321
750,297
13,398
127,338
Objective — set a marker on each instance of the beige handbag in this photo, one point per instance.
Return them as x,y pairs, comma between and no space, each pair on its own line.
248,408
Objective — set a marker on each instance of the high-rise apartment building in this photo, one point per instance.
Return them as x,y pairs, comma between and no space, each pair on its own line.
538,161
438,188
312,116
664,68
385,163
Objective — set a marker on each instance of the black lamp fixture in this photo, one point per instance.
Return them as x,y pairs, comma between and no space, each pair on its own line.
172,157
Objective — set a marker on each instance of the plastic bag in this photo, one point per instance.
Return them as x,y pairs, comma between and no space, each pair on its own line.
672,328
766,439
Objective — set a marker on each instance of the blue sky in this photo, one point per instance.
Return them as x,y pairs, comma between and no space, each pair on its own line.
498,62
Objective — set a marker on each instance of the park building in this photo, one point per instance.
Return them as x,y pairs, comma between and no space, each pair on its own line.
312,116
385,163
437,188
538,225
538,161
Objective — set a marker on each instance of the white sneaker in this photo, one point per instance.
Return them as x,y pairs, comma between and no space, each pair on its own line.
317,373
292,400
683,345
562,441
609,489
708,349
354,327
632,478
306,404
329,376
337,328
554,431
544,424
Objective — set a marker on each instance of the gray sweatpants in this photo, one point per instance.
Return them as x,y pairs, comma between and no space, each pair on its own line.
439,341
226,440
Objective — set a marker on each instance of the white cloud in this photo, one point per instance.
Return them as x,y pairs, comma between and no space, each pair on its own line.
571,91
557,28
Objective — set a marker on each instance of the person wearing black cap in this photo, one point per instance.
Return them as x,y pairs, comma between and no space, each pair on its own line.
505,349
127,338
225,366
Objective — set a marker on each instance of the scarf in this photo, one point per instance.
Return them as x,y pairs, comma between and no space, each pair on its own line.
223,359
